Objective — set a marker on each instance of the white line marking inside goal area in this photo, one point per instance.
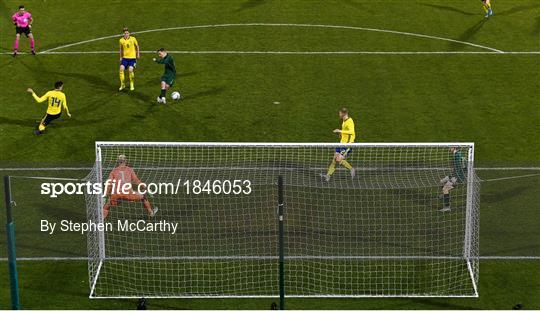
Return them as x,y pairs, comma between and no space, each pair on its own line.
410,34
276,257
302,52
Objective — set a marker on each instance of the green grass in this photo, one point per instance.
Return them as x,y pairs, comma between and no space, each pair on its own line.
230,97
509,227
63,285
489,99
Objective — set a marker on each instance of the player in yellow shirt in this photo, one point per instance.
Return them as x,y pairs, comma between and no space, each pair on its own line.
486,4
56,100
347,136
129,53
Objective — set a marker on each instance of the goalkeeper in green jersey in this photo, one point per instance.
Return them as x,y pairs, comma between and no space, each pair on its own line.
457,177
167,79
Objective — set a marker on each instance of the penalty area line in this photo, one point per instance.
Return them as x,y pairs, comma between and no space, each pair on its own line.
288,25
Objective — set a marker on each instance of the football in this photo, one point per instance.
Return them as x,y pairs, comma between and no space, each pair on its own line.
175,96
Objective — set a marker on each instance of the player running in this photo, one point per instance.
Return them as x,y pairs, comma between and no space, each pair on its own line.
487,8
119,176
167,79
129,53
457,177
23,25
56,101
347,134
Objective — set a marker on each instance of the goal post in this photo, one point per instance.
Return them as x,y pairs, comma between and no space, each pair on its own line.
263,220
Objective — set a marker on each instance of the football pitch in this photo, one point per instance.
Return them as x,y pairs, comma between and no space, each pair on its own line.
277,71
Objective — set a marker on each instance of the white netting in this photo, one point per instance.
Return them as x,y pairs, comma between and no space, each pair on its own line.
379,234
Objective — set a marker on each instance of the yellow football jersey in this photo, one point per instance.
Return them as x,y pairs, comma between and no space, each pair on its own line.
347,131
56,100
129,47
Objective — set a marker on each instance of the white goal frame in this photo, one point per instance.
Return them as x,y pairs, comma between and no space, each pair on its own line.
468,255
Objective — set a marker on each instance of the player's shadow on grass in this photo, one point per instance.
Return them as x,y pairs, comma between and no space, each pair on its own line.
503,195
102,84
76,122
21,122
468,34
210,92
357,5
250,4
153,83
448,9
145,98
96,82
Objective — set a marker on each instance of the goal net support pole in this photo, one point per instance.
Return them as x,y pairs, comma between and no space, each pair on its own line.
281,244
12,256
471,222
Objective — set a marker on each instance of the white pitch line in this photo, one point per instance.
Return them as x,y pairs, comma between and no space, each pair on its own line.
511,177
267,258
279,25
397,53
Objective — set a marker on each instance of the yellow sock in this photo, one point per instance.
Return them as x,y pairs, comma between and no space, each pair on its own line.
122,77
346,164
41,127
485,8
488,5
132,77
331,168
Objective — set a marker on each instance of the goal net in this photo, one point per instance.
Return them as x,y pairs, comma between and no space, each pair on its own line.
386,232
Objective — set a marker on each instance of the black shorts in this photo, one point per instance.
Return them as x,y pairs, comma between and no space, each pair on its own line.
23,30
49,118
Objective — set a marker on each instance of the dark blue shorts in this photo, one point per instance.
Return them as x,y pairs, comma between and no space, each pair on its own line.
129,62
344,151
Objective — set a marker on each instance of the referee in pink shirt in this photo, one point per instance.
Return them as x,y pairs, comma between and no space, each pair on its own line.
23,25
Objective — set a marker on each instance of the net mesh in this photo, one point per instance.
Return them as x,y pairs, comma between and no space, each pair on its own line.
380,233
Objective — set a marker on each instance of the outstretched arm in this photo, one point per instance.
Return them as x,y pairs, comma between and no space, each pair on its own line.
37,98
159,60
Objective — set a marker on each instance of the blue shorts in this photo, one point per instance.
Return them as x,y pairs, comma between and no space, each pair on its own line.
129,62
344,151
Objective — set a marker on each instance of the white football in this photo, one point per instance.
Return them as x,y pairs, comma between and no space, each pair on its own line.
176,96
